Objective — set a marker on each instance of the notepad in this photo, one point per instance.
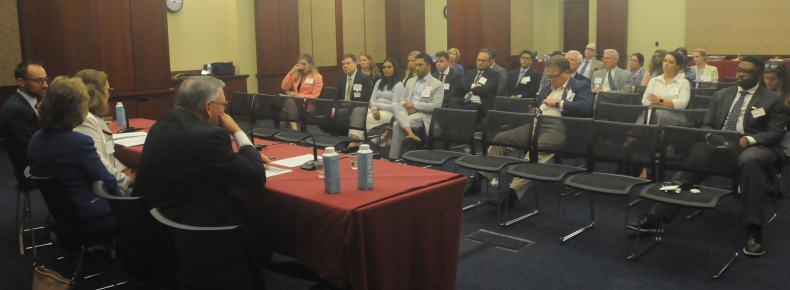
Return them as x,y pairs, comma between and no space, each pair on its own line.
274,171
130,139
294,161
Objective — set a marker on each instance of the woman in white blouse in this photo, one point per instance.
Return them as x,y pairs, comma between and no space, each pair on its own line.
669,90
381,101
94,126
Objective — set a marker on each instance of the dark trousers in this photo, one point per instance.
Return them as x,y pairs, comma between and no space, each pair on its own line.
755,165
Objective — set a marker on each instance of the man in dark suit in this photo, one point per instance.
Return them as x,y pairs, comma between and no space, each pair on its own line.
479,88
19,115
189,164
450,78
525,81
360,88
564,96
759,115
501,89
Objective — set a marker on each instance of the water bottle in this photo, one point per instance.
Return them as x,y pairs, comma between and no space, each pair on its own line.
120,114
208,69
331,171
365,167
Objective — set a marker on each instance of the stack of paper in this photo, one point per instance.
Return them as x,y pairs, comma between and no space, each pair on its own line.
130,139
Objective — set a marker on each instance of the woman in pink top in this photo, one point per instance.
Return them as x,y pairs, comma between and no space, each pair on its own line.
302,81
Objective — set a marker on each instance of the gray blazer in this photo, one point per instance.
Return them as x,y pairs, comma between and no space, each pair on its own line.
426,104
502,87
622,79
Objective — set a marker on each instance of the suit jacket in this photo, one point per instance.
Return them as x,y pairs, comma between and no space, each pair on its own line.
622,79
426,104
710,71
594,66
487,91
188,167
514,86
308,90
361,79
454,79
94,127
18,123
501,89
582,104
71,157
767,130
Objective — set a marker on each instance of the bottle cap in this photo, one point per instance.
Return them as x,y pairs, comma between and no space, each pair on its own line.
119,104
329,149
364,147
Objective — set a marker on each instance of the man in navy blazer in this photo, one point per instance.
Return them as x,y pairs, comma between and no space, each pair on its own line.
761,120
450,78
523,82
19,115
563,96
479,87
362,86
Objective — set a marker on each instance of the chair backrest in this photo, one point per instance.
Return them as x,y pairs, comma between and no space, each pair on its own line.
576,133
619,112
713,152
640,90
356,119
328,93
240,104
58,200
694,117
622,143
498,122
262,107
721,86
212,257
17,158
452,125
703,91
729,80
318,112
699,102
515,105
619,98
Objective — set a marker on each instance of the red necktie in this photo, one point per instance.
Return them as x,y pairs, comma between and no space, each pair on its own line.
441,77
37,103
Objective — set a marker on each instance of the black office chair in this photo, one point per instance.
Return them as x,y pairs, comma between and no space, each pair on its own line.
498,122
640,90
621,113
328,93
694,117
317,112
621,143
271,107
703,91
348,115
699,102
686,143
515,105
575,145
23,187
729,80
447,125
239,110
618,98
721,86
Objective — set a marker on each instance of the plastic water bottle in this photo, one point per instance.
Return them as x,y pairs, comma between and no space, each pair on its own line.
365,167
208,69
120,114
331,171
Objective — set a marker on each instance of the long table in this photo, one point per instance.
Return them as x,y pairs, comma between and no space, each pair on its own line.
403,234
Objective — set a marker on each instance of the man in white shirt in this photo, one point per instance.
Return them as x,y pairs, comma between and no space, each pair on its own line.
611,78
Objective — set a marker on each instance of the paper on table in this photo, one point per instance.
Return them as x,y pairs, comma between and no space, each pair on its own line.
294,161
130,141
129,135
274,171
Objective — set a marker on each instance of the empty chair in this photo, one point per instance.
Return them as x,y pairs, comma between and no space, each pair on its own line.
23,187
699,102
619,112
693,117
239,108
619,98
703,91
274,108
328,93
447,125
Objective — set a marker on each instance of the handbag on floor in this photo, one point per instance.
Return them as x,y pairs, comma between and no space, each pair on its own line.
48,279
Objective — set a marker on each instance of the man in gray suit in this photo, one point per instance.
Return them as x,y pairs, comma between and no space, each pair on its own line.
421,95
611,78
501,87
590,65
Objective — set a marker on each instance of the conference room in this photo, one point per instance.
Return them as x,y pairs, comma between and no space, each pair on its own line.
435,218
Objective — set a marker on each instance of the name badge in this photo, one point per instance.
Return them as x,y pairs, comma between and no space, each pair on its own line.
426,92
482,81
570,96
110,148
446,86
357,87
673,91
757,113
357,95
706,78
599,80
308,81
525,80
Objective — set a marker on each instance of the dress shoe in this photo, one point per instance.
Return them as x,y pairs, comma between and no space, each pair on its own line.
509,198
754,243
650,223
350,150
471,186
411,140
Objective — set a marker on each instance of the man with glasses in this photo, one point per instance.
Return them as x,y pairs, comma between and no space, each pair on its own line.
590,64
564,96
612,78
758,114
523,82
479,87
19,115
189,163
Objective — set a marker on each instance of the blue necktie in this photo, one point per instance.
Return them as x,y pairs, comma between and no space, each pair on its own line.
612,87
583,68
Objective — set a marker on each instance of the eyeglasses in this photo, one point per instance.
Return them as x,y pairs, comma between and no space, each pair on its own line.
589,48
39,80
551,77
223,104
745,71
110,90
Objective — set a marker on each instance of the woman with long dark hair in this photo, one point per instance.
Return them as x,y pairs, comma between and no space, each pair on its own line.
656,66
386,88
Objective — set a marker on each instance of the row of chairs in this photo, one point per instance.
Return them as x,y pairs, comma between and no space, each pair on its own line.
704,89
595,142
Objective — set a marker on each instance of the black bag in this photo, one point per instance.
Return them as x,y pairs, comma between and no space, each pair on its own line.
223,68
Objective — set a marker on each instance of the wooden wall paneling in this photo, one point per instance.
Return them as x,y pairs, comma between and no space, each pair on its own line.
289,34
576,25
473,25
116,50
495,28
613,28
277,41
408,16
148,19
339,31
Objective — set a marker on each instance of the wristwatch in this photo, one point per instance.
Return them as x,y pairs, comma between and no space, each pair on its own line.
557,104
660,100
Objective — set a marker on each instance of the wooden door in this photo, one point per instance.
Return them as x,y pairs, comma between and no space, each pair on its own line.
576,25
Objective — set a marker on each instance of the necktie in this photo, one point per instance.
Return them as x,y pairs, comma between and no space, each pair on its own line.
469,95
732,118
612,87
441,77
584,67
37,104
479,73
520,76
349,84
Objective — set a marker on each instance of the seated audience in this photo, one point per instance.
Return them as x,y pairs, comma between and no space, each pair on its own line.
57,151
635,64
611,78
303,81
94,126
387,89
668,90
689,74
705,73
656,67
368,66
455,56
352,86
450,78
777,80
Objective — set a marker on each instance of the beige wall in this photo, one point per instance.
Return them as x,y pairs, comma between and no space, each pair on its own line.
435,26
767,20
656,21
364,28
521,22
10,50
548,26
210,31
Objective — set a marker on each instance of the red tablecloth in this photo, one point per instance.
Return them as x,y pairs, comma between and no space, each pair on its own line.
403,234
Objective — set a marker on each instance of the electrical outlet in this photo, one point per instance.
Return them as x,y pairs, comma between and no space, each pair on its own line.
656,43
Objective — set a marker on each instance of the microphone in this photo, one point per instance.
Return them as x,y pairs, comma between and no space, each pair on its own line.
309,165
251,135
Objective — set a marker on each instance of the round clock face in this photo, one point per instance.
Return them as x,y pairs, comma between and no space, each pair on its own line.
174,5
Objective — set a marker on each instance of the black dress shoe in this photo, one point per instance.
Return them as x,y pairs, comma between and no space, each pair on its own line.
754,243
471,186
650,223
509,199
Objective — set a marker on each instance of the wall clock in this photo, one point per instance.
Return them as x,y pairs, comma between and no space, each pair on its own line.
174,5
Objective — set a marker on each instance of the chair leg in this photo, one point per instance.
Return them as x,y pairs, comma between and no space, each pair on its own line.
694,214
638,252
585,228
520,218
479,196
718,274
27,217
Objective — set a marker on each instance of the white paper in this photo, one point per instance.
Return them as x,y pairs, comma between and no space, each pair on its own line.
131,141
668,187
128,135
274,171
294,161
